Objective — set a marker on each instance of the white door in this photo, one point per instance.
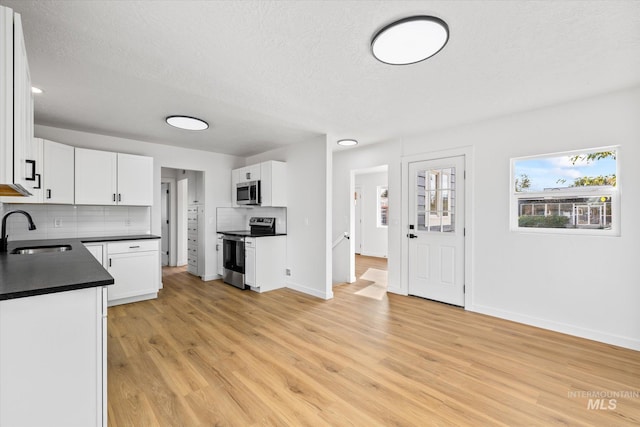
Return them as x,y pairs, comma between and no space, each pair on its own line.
436,229
357,196
164,220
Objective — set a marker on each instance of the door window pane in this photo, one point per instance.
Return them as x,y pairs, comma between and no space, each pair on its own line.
440,200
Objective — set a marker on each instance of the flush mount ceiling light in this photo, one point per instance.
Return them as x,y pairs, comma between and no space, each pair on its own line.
186,122
36,90
347,142
410,40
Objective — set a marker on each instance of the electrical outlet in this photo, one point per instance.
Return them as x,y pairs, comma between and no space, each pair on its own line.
288,272
57,222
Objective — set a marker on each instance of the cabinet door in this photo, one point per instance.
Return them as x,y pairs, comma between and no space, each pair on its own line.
97,251
135,180
34,174
58,179
95,177
219,254
134,274
22,106
6,98
250,262
50,359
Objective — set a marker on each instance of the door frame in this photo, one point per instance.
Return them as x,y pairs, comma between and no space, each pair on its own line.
467,152
172,217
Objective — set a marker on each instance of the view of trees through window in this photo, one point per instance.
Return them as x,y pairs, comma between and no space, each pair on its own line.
571,190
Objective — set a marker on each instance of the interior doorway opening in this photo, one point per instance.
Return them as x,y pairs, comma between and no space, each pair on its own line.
369,227
185,188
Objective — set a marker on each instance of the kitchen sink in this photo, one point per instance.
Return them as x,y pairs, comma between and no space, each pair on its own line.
41,249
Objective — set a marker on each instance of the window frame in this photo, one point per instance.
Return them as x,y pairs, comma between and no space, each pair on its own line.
608,191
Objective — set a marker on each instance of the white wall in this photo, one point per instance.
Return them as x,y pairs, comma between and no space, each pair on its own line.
308,214
581,285
374,241
216,167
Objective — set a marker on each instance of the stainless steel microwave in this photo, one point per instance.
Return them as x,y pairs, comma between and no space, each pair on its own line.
248,193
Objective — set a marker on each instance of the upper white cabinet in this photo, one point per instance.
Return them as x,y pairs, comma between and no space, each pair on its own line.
272,176
16,105
135,180
106,178
273,183
49,174
57,179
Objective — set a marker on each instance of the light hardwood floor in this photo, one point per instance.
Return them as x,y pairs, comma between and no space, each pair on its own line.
208,354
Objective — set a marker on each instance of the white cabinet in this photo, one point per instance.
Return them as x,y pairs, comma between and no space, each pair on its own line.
220,253
95,177
135,180
106,178
273,185
53,359
16,105
195,240
247,173
50,173
134,265
34,174
250,261
265,259
58,176
97,250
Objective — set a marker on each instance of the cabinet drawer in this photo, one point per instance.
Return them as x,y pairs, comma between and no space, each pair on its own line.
132,246
192,261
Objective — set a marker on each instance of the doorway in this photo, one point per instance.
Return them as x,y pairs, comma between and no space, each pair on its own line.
165,215
436,229
369,228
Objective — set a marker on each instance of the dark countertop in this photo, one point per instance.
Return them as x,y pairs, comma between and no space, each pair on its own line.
247,233
45,273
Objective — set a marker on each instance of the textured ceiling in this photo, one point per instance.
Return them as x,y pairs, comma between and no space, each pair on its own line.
270,73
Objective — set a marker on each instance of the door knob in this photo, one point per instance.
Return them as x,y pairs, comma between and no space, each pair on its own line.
412,236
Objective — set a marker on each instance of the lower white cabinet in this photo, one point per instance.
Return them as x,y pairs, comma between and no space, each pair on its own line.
264,264
220,253
53,359
134,265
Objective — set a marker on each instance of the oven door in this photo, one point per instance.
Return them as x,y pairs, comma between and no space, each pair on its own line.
233,261
248,193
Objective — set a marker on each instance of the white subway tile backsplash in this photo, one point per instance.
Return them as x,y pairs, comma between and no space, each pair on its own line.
66,221
228,219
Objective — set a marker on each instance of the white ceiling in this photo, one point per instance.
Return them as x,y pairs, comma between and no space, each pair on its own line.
271,73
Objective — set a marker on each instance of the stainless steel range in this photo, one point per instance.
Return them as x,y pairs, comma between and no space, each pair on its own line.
233,248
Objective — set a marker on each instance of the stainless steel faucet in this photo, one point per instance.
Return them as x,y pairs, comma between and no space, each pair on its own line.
4,241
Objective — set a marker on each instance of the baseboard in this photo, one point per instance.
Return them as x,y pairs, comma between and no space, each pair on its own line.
374,254
309,291
395,290
210,277
564,328
136,298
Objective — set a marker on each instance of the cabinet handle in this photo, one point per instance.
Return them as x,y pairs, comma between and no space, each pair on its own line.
33,170
48,193
37,187
109,262
134,247
114,197
248,175
119,197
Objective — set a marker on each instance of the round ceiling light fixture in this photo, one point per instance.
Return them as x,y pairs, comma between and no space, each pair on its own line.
347,142
187,123
410,40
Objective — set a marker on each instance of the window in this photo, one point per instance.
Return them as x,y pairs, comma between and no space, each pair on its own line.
383,206
567,192
436,200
